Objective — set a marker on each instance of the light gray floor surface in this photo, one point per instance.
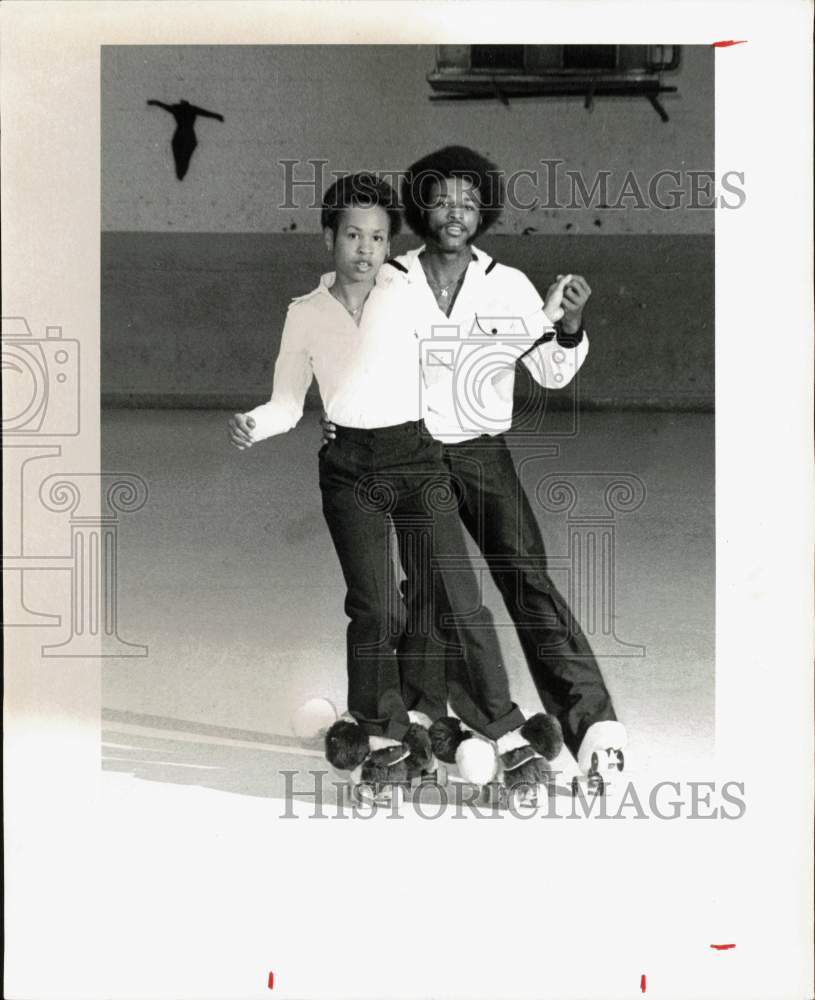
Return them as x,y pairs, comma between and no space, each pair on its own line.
229,577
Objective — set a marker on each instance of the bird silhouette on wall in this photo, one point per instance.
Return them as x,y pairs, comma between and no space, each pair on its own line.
184,139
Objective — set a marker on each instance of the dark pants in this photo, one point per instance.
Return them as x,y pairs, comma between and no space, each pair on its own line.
396,475
497,513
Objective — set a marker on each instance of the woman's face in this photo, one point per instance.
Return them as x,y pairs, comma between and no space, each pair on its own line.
360,246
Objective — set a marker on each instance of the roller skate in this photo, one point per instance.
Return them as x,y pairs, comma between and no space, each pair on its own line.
424,768
525,759
379,770
601,756
518,764
473,756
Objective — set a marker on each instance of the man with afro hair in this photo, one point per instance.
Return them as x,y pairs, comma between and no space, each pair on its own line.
450,199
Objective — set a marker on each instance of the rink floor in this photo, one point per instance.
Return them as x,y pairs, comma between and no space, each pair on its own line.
229,578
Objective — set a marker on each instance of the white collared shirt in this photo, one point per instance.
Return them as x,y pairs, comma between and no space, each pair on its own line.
495,320
368,375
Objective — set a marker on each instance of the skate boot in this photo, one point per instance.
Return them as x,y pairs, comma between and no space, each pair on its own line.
424,768
454,743
376,768
526,756
601,756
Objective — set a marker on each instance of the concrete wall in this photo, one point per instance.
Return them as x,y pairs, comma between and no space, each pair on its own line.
197,274
195,319
366,107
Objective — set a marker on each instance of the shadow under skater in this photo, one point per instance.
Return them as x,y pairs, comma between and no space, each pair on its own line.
184,139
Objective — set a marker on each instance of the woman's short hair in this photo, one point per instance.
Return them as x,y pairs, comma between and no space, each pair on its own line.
363,190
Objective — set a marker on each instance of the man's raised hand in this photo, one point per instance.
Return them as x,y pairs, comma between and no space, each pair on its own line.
553,303
575,296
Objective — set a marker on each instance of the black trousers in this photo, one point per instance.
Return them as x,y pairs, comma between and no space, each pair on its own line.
499,517
395,476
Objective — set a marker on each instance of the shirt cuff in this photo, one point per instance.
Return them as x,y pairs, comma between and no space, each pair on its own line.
568,339
271,420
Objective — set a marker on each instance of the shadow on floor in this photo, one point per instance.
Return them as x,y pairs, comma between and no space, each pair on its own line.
243,762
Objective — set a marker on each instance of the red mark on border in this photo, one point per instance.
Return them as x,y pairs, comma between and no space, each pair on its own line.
271,980
722,947
726,44
642,982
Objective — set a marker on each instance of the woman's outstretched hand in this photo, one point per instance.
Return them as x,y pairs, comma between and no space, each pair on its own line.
240,431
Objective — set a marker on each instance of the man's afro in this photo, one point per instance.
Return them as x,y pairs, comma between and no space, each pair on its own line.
450,162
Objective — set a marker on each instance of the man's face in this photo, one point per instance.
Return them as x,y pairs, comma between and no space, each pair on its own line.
360,246
453,214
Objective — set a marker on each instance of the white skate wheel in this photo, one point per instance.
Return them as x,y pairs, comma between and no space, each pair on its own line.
476,761
600,738
312,719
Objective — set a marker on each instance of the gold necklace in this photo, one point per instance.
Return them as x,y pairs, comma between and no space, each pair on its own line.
444,290
354,313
